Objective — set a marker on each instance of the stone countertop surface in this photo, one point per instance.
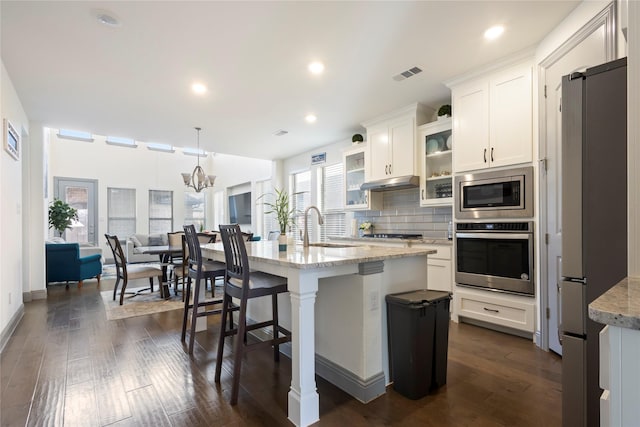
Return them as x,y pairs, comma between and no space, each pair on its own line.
409,242
619,306
300,257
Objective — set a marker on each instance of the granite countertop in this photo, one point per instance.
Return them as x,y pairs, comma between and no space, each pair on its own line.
410,242
300,257
619,306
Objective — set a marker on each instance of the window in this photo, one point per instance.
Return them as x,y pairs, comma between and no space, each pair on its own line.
300,198
75,135
121,141
194,210
331,203
121,211
160,211
265,223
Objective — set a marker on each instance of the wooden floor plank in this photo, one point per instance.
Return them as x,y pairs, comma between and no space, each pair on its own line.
67,365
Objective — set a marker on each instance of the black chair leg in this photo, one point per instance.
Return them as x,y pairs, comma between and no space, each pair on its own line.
151,283
226,301
194,314
186,307
124,286
274,312
115,288
237,356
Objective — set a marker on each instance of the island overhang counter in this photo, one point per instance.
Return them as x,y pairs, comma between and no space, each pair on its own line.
336,313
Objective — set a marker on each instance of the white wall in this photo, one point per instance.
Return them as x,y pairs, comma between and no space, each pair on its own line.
11,208
144,169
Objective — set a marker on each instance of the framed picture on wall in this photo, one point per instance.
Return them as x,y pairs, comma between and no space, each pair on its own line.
11,140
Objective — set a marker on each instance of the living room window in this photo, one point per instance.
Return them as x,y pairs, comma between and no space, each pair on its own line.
194,209
160,211
300,199
332,201
121,211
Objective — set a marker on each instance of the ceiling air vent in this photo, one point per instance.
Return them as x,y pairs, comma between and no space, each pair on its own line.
280,132
406,74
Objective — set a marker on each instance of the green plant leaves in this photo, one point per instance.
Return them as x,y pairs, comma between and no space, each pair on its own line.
61,215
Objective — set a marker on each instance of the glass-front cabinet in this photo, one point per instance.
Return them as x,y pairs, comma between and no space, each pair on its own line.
436,184
354,177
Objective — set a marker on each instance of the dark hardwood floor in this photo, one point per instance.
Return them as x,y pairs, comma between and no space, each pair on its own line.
66,365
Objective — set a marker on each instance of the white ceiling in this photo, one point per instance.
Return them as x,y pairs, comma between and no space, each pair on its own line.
134,80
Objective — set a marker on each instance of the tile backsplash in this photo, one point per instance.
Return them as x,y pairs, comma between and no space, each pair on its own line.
402,213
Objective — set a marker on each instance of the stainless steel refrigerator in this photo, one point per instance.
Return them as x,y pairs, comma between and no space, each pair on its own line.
594,224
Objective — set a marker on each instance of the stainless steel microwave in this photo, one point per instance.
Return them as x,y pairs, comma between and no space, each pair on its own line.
499,194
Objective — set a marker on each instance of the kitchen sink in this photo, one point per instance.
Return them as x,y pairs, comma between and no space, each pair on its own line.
331,245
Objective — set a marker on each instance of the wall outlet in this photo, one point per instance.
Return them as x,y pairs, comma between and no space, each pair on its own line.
374,300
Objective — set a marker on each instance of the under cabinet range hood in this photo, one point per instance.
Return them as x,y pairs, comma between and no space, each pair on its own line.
397,183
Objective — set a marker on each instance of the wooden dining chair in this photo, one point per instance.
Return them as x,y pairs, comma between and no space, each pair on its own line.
198,270
243,284
126,272
177,261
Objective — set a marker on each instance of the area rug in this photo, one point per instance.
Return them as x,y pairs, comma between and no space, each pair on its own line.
139,305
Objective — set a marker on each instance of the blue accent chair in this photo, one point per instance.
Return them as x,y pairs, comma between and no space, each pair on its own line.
64,264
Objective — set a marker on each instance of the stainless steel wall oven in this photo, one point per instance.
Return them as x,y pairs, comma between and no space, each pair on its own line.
496,256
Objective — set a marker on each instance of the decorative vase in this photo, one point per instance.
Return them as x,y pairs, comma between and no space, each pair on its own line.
367,232
282,242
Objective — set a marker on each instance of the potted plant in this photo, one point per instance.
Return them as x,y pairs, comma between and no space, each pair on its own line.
444,111
284,215
366,227
61,216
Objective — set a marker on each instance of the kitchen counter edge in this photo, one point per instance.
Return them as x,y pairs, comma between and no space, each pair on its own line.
410,242
619,306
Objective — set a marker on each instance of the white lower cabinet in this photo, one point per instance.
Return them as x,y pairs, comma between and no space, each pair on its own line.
619,376
511,311
439,271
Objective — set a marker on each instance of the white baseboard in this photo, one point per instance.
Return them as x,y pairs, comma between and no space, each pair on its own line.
11,326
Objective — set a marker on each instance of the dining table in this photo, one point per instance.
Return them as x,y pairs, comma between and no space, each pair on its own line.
164,253
307,268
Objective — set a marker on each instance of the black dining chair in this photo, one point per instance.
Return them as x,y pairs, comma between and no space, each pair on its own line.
126,272
243,284
198,270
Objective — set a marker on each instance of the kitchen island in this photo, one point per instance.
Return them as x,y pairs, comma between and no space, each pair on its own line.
619,309
336,313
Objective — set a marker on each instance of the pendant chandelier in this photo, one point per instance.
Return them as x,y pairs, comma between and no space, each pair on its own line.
198,180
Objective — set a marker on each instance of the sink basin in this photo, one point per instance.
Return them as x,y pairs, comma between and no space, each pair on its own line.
331,245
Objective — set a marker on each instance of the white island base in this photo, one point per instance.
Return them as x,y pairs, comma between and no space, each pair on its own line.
337,314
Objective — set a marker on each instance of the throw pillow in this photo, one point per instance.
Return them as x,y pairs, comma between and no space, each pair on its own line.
136,242
156,240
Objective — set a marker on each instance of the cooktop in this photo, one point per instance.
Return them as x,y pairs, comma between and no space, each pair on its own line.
393,236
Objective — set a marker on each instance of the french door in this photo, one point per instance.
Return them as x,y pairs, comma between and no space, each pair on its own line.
80,194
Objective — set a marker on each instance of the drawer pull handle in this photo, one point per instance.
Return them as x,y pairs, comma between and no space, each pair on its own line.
491,310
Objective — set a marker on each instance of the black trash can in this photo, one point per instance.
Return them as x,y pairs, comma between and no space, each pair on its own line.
418,332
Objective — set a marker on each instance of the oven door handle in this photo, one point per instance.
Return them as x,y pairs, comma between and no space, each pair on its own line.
500,235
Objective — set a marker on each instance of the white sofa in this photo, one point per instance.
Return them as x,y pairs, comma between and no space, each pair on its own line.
135,243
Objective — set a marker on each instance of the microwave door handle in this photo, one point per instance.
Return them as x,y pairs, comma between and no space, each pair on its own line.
506,236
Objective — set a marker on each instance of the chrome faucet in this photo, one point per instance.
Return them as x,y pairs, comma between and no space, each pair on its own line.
305,241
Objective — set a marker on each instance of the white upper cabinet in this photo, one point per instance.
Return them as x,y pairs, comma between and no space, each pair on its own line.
492,120
354,161
392,142
436,147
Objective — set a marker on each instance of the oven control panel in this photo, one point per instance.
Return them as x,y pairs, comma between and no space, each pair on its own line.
495,226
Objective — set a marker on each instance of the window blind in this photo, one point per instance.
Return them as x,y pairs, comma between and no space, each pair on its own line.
121,211
300,199
332,201
194,209
160,211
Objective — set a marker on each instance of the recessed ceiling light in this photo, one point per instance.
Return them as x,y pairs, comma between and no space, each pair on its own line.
316,67
107,18
199,88
494,32
311,118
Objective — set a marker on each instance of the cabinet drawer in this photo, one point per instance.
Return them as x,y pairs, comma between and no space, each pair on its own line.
439,275
501,310
443,251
